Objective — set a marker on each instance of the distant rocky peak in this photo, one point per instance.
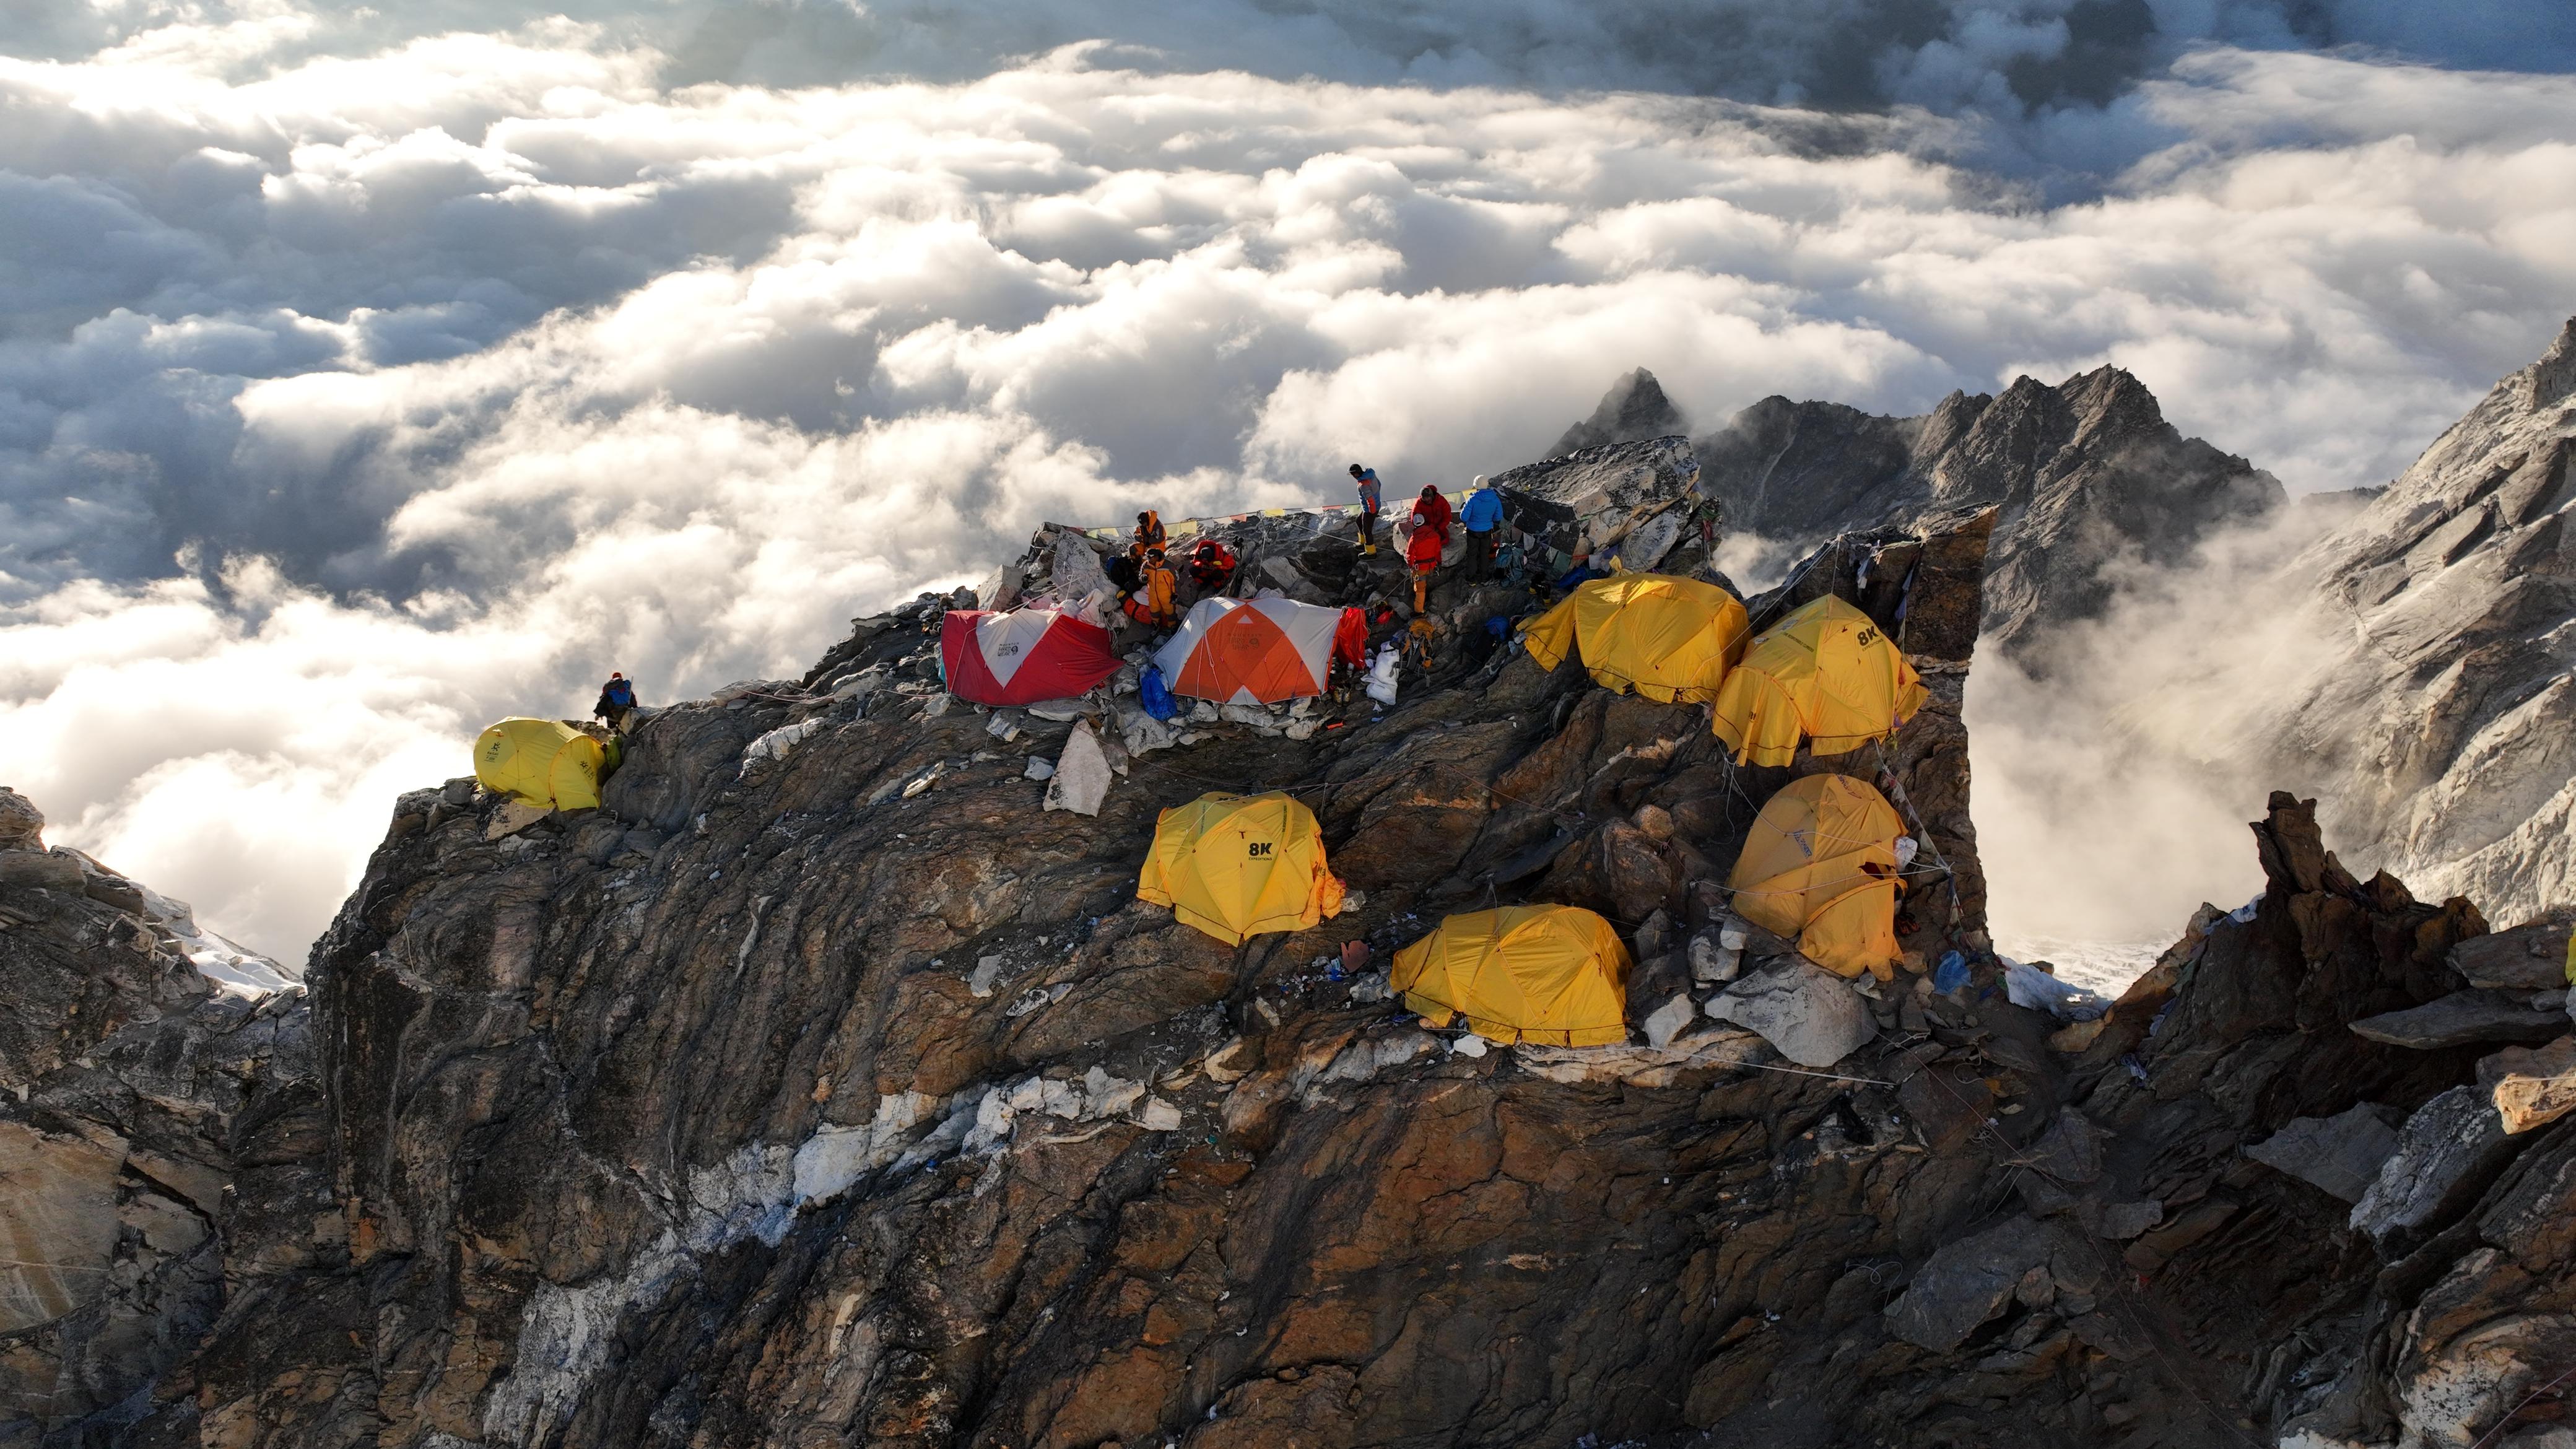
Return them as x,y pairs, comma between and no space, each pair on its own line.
2085,472
1634,410
2553,377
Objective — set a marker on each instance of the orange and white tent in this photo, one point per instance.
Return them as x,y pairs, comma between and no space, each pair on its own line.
1256,651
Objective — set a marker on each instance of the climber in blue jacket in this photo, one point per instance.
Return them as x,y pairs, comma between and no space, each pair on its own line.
1483,518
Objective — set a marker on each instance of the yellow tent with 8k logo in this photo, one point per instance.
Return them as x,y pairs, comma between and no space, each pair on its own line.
1826,673
1236,866
543,762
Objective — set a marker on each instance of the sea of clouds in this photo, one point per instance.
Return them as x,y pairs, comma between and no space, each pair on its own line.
366,375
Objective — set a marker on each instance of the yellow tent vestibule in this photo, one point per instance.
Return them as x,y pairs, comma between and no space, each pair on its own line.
1236,866
1549,975
1826,673
542,762
1820,868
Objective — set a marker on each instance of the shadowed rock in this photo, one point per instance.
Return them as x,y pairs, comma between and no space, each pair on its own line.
2087,474
2341,1154
2462,1018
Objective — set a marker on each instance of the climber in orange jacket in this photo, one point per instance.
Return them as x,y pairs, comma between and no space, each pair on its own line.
1149,531
1157,598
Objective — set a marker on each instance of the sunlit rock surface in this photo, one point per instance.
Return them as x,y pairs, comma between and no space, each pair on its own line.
2440,715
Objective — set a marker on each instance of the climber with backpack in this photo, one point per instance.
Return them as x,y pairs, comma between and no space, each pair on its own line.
616,702
1365,480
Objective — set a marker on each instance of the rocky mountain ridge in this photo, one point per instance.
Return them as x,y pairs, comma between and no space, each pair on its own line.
825,1087
2087,475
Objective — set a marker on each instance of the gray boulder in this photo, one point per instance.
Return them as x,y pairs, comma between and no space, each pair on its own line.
1081,778
53,870
2444,1157
1000,589
1595,496
1966,1283
1804,1011
2530,957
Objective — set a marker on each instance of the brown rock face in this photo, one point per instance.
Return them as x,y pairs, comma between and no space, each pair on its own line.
846,1096
777,1106
22,825
158,1161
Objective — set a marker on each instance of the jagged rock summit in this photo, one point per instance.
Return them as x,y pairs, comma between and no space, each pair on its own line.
2086,474
1634,410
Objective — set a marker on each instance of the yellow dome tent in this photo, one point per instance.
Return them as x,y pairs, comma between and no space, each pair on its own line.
1820,867
1670,639
1550,975
1826,672
1236,866
540,761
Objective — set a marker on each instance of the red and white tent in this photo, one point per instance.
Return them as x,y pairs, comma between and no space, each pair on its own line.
1257,651
1023,656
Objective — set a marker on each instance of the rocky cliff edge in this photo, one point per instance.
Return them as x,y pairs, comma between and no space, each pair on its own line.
825,1088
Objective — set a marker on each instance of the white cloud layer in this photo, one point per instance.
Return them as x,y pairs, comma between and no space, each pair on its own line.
465,369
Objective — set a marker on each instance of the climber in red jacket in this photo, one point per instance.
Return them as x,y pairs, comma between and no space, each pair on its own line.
1434,510
1212,565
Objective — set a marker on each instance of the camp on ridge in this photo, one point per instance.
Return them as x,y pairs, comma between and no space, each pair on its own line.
1140,648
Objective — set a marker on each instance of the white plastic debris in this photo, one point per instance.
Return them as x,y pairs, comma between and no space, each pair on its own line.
1470,1045
773,746
1381,678
2031,987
